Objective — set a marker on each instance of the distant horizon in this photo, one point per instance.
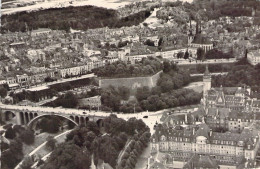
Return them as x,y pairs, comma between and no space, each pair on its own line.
109,4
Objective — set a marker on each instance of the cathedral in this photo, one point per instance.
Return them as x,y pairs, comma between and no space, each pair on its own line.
199,40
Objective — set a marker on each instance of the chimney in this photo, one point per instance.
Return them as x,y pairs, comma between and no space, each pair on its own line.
193,131
186,118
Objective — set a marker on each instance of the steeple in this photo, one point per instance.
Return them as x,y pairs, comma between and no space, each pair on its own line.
206,73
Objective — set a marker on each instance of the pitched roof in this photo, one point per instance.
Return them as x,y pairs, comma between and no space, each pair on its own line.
203,130
201,161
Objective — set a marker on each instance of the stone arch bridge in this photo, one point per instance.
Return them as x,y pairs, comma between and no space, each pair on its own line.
26,115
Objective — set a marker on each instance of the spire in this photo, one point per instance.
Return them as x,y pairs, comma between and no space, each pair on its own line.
207,73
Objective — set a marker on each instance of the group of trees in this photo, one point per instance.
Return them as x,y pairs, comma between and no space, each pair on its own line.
49,124
51,143
111,97
17,131
68,155
240,75
134,150
80,18
216,9
3,92
87,141
200,68
200,54
12,156
69,100
13,153
217,54
174,98
147,66
212,54
185,55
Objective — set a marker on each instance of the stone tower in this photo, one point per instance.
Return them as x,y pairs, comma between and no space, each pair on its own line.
206,81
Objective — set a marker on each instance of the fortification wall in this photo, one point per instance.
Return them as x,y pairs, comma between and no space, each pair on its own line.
133,82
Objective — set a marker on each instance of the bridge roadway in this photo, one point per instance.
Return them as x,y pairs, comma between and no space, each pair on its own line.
27,114
78,117
51,110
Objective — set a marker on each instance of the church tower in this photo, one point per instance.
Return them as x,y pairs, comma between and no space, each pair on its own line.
206,81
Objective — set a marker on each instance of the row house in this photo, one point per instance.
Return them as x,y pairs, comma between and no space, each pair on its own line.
41,32
171,53
237,121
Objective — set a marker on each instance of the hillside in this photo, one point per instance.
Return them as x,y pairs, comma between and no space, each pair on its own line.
80,18
90,17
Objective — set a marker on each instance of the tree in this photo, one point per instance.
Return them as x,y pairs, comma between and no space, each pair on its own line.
10,134
200,54
166,66
180,55
3,92
49,124
51,143
11,157
68,155
186,55
27,163
27,136
149,42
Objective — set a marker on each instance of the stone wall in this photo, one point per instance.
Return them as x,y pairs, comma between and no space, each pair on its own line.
133,82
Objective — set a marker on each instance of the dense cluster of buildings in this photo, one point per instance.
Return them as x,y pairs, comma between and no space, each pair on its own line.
44,53
220,134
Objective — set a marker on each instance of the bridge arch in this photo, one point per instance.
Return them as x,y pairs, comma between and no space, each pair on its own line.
8,115
36,118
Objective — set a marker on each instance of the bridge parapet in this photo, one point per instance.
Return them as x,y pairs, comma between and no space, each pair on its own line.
27,114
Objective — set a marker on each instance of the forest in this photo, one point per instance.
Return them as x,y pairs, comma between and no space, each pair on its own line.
241,74
103,143
79,18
